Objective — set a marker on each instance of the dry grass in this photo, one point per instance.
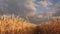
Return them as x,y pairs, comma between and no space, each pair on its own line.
14,25
50,27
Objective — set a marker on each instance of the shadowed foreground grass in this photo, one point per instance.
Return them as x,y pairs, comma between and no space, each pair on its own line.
14,25
50,27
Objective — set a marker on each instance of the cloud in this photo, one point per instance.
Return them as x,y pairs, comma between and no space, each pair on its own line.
43,3
24,7
50,11
1,2
57,9
20,7
42,17
27,8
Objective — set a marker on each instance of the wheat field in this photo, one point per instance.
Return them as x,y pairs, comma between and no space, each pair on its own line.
14,25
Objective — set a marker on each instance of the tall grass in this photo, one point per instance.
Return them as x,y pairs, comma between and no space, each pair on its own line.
15,25
50,27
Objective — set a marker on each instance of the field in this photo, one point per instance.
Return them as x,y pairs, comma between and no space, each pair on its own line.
14,25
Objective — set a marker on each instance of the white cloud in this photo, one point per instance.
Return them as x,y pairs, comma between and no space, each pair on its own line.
44,3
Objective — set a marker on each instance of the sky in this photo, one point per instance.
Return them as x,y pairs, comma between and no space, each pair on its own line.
37,10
